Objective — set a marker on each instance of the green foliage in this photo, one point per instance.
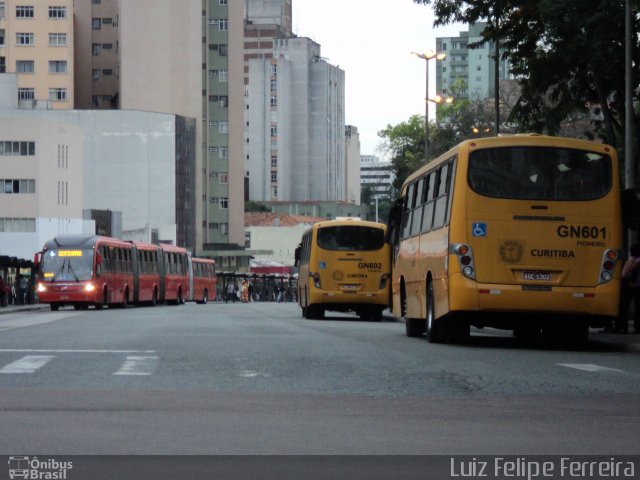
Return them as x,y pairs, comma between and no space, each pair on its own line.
568,57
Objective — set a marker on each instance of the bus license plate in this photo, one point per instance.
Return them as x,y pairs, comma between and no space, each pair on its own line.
349,287
536,276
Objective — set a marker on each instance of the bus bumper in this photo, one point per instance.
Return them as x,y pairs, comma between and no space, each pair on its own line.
380,298
468,295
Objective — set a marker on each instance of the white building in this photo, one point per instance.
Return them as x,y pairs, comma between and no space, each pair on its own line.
295,140
376,174
85,160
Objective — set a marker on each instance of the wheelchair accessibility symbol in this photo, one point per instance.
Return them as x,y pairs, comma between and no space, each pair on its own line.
479,229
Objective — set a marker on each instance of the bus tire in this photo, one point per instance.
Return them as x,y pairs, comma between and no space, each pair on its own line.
414,327
54,307
431,325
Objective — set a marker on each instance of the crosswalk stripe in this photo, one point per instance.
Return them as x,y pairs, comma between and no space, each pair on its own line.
589,367
138,365
27,364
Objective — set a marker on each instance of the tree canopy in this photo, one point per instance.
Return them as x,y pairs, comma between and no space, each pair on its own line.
568,57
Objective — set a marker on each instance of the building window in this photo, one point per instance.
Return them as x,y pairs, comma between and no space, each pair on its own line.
274,131
223,50
24,39
57,12
274,69
274,177
1,37
58,94
57,66
96,74
23,149
57,39
274,160
223,153
24,66
222,2
224,227
26,94
224,202
10,225
274,101
223,127
24,11
107,46
96,48
224,178
213,200
96,23
107,71
1,9
223,76
11,186
223,24
107,21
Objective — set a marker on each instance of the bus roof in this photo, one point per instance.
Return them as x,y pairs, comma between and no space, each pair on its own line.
519,139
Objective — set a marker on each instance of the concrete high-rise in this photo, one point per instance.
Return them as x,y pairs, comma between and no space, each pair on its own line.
295,136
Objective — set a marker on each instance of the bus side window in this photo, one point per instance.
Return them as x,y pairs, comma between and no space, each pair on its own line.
442,199
296,255
429,198
408,210
419,205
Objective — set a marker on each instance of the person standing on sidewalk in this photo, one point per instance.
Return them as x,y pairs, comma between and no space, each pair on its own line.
630,290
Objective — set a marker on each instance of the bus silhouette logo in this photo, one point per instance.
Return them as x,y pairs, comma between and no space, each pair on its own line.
18,467
479,229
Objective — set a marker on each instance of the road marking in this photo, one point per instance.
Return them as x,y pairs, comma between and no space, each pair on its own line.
27,364
138,365
253,374
589,367
53,350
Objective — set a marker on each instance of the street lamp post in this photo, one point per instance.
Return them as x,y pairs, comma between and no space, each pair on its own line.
428,55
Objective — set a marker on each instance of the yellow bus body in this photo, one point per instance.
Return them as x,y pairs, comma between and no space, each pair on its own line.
346,279
531,259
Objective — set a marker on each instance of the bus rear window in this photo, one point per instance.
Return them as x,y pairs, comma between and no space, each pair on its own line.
539,173
350,238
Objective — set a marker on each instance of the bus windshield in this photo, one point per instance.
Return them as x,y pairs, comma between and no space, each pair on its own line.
539,173
63,265
350,238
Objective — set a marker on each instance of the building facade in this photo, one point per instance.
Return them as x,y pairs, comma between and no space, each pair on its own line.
352,164
295,135
36,44
376,175
475,66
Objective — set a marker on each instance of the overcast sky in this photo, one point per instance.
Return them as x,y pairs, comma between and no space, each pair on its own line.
372,41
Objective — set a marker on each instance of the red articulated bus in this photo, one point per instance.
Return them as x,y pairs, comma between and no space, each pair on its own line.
84,270
204,279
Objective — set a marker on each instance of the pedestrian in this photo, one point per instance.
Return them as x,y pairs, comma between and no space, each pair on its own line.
3,293
250,288
231,293
630,291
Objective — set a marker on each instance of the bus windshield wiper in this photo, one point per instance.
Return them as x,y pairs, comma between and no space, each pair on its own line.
70,269
60,270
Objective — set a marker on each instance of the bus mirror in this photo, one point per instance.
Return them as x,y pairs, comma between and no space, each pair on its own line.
297,256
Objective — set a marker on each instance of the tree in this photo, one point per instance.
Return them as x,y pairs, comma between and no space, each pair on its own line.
568,57
455,122
252,206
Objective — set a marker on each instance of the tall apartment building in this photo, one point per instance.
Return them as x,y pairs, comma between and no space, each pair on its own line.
36,43
376,174
97,54
295,134
475,66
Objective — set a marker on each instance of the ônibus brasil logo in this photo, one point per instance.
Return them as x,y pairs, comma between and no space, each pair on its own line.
36,469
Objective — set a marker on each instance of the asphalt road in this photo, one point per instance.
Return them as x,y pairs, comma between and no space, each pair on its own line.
260,379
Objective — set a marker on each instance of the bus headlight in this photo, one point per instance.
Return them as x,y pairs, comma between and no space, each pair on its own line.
89,287
41,288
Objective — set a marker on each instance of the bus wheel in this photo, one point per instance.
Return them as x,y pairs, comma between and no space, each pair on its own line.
431,326
376,315
205,297
54,307
414,326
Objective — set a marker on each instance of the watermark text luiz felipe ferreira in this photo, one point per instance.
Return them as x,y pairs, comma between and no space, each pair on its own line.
509,467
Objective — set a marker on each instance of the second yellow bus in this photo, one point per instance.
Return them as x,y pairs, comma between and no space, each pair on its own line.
344,265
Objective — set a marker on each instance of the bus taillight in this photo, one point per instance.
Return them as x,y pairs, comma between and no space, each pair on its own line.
465,259
316,279
383,281
608,265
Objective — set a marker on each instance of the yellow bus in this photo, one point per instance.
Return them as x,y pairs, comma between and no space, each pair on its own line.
344,265
519,232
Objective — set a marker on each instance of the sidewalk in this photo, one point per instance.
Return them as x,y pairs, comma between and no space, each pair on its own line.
24,308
